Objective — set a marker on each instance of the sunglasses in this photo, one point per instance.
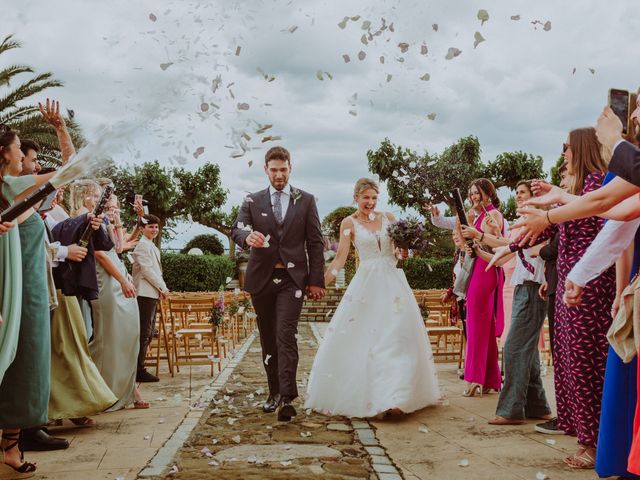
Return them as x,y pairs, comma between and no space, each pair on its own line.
565,147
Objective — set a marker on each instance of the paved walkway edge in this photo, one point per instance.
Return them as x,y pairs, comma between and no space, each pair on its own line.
380,461
167,452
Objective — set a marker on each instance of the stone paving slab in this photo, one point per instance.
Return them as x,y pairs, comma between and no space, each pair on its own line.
236,440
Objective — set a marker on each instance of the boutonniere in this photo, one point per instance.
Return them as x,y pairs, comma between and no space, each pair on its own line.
295,194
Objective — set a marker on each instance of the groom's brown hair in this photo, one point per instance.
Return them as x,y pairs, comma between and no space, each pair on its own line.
277,153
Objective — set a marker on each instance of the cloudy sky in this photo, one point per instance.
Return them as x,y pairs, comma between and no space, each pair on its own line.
182,71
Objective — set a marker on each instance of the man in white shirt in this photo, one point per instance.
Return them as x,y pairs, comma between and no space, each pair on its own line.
147,278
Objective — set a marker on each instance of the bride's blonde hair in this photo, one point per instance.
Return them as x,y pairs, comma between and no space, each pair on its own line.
365,184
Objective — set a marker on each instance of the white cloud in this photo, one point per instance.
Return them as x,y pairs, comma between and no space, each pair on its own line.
516,91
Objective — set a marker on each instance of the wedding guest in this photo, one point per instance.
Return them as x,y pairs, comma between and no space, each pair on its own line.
522,395
580,331
485,320
24,390
147,276
115,344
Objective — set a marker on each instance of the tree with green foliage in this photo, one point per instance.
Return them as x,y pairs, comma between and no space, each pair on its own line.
509,209
413,179
331,222
555,171
209,244
203,197
20,115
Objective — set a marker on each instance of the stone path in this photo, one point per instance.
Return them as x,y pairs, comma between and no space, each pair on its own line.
236,440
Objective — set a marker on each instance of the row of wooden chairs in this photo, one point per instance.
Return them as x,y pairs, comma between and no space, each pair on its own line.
185,335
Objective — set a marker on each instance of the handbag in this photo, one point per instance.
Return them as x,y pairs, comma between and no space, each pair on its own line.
624,333
464,276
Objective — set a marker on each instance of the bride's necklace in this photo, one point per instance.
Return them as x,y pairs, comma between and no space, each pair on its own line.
371,217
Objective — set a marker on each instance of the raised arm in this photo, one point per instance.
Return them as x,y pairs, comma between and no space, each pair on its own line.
51,113
344,244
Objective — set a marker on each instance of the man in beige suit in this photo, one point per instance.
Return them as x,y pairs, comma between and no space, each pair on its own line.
147,278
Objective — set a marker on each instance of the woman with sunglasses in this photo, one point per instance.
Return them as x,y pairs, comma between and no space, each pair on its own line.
581,345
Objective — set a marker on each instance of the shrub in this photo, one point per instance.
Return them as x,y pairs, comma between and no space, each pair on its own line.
209,244
421,277
191,273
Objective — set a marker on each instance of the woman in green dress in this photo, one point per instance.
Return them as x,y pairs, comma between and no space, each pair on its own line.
24,389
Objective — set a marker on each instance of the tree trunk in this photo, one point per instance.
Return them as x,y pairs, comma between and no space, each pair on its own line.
232,247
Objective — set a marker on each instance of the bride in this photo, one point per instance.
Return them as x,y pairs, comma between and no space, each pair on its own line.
375,356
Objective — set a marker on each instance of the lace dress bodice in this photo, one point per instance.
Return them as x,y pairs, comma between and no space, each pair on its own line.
373,245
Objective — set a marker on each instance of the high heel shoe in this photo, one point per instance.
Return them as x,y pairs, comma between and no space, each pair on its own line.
26,470
472,390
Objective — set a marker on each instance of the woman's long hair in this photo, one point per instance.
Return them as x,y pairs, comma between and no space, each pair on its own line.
485,186
587,157
7,137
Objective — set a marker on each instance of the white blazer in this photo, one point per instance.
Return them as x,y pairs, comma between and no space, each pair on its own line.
147,269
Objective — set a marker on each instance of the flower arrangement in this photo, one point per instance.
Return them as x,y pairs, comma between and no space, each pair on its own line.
216,316
409,234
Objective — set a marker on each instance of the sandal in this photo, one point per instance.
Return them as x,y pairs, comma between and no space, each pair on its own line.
26,470
581,460
141,404
83,422
472,390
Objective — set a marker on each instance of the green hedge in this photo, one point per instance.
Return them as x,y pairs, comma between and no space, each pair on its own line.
209,244
420,277
196,273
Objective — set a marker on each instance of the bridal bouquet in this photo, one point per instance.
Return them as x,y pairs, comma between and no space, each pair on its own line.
409,234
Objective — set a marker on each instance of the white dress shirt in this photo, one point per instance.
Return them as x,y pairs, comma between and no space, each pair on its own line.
284,198
614,238
521,274
449,223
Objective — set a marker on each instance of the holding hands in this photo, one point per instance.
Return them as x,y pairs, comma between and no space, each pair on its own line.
5,227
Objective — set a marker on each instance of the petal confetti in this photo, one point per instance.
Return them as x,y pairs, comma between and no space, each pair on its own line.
515,17
452,53
547,26
431,116
478,39
152,17
426,77
483,16
404,47
361,55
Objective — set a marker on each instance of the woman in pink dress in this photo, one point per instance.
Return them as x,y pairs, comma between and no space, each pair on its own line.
485,313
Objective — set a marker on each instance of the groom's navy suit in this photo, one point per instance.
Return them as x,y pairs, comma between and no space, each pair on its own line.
277,293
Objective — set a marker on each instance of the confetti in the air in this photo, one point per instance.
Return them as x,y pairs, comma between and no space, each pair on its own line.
547,26
478,39
515,17
236,439
346,58
238,48
243,106
298,294
404,47
593,71
426,77
276,281
361,55
204,107
423,49
366,25
199,151
389,77
164,66
452,53
152,17
483,16
319,75
291,265
343,23
431,116
266,359
435,27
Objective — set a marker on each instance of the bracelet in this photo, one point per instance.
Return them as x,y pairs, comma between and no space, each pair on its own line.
481,237
548,219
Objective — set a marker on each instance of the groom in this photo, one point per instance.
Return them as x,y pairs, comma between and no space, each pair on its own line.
281,226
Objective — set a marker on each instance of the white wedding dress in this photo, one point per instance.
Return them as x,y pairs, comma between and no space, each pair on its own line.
376,354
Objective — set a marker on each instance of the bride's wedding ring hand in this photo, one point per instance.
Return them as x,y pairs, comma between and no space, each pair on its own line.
256,240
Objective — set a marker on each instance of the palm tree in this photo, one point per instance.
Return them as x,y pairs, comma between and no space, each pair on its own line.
19,114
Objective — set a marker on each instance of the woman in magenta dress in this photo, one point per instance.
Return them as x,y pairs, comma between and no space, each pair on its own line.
485,312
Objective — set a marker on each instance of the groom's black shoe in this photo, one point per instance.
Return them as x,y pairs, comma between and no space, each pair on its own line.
286,410
271,404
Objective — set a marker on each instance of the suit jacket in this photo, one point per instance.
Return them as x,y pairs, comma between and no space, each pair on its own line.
147,269
625,163
79,278
299,247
